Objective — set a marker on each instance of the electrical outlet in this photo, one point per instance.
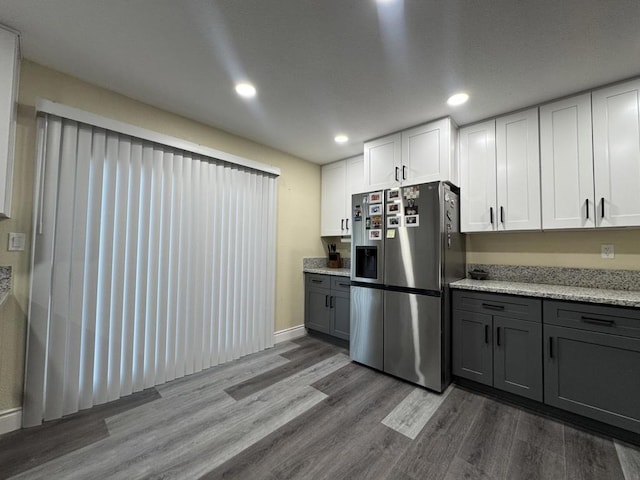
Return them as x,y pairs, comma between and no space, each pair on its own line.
606,251
17,242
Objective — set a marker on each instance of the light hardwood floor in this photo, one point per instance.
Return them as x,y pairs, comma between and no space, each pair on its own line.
303,410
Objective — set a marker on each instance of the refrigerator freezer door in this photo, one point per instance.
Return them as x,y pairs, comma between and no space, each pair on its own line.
367,237
412,338
365,343
413,253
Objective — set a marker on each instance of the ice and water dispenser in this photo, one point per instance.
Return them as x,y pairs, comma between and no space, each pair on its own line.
367,262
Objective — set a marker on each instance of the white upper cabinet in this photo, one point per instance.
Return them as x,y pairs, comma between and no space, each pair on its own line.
478,177
9,71
340,180
518,171
566,164
428,154
382,162
500,174
417,155
616,154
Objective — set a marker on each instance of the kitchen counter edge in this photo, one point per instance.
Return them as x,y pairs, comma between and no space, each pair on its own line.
338,272
556,292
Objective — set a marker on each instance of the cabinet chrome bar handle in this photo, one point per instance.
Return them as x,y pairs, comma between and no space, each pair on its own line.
602,207
550,347
491,215
347,223
501,214
331,301
493,307
486,334
498,336
326,300
404,174
598,321
397,169
587,202
316,281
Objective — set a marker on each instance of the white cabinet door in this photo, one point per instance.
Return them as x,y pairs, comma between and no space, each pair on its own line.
566,164
354,184
616,154
427,154
9,71
518,171
478,177
382,162
333,199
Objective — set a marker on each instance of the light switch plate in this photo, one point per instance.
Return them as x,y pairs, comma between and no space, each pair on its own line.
17,242
607,251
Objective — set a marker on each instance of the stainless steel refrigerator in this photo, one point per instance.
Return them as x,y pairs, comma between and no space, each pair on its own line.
406,247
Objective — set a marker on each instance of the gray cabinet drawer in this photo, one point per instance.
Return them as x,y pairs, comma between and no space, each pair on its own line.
317,280
596,318
340,284
511,306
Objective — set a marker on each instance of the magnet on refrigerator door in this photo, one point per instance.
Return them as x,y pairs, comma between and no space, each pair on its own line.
375,234
412,221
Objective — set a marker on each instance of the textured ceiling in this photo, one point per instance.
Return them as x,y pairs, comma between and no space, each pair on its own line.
328,66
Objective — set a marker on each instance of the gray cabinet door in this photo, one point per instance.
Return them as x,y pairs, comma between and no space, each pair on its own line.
317,311
517,357
593,374
472,346
340,315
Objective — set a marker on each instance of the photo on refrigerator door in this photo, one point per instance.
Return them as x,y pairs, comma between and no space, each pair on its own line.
375,209
375,197
412,221
375,234
394,208
394,222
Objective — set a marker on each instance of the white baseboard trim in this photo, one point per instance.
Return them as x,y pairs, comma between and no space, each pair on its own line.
10,420
289,334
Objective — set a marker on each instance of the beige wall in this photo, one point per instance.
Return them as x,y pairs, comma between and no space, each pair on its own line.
563,249
298,231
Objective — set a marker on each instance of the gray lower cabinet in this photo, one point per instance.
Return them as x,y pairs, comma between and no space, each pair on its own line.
497,341
592,361
327,304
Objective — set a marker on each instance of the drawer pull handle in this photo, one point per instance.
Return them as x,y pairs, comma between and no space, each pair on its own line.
550,347
344,284
486,334
598,321
316,281
498,336
493,307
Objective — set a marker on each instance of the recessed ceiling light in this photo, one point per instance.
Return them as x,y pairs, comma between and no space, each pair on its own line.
457,99
246,90
341,138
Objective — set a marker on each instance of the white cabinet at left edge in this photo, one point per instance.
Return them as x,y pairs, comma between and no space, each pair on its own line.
9,77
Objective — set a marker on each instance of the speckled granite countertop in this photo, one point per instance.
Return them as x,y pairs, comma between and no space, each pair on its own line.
339,272
557,292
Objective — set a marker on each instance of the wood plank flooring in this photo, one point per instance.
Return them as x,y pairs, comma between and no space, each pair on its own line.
303,410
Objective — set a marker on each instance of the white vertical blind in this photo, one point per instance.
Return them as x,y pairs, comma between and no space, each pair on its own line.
149,263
